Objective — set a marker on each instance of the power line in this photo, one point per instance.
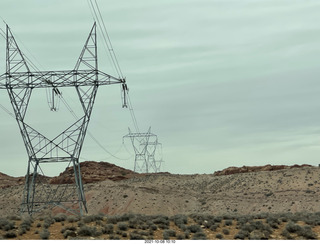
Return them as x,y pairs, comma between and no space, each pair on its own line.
109,41
135,123
105,43
96,14
6,110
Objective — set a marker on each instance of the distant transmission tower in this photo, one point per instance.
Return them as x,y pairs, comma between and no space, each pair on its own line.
20,83
144,146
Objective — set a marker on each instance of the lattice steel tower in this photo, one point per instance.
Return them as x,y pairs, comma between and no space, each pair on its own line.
144,146
20,82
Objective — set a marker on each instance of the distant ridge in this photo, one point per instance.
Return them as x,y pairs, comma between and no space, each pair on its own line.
246,169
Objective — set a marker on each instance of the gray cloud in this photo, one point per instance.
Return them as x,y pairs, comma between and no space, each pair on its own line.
221,82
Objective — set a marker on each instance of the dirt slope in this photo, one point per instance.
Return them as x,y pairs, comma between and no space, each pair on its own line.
287,190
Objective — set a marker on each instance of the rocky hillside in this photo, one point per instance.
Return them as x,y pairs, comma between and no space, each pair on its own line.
247,169
292,189
8,181
93,172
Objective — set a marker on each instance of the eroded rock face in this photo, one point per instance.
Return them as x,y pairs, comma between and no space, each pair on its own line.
8,181
247,169
93,172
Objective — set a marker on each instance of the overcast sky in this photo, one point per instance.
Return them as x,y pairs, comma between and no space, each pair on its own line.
221,82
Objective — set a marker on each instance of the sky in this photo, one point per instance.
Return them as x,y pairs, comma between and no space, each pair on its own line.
221,82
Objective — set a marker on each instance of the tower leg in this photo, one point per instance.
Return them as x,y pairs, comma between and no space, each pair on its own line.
79,185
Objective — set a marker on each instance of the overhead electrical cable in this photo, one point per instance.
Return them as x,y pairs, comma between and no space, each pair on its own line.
96,14
109,41
105,44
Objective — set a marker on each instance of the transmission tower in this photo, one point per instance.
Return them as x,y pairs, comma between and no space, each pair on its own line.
144,146
20,82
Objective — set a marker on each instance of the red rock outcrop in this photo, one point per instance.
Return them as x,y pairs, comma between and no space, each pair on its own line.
8,181
93,172
247,169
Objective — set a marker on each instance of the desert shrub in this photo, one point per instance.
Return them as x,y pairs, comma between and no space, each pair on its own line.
108,229
262,215
60,217
73,218
135,236
194,228
151,232
68,233
228,216
14,217
268,194
254,230
217,219
214,227
123,226
199,236
165,236
25,225
128,216
181,237
248,227
91,218
179,220
124,234
228,222
242,220
81,223
44,234
132,224
153,227
169,233
219,236
241,235
161,219
163,226
143,233
123,218
21,231
71,228
114,237
259,235
88,231
226,231
273,222
292,227
47,222
9,226
286,235
200,218
312,219
113,219
307,233
144,226
137,221
10,234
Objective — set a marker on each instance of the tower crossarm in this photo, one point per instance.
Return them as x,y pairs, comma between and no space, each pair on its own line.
135,135
49,79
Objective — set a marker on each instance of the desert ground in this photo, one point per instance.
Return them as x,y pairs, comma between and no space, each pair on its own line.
231,194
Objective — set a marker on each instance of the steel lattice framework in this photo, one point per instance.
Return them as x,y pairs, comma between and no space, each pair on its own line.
20,82
144,146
